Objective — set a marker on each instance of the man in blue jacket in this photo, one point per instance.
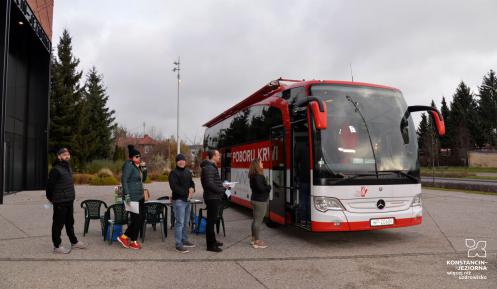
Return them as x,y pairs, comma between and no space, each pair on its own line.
182,186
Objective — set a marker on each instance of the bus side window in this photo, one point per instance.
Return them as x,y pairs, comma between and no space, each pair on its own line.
292,94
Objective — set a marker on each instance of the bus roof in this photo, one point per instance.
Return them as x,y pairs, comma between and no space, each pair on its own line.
278,86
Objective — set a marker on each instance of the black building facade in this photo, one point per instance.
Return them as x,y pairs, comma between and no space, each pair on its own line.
25,51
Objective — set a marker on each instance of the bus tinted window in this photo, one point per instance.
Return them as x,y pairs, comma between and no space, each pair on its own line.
250,125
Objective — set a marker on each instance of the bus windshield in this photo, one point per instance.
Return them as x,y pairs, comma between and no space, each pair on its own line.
364,137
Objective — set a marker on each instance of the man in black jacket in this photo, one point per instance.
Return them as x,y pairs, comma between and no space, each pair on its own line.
61,193
213,195
182,186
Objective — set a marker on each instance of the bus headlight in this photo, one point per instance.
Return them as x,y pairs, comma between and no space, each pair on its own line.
416,201
324,204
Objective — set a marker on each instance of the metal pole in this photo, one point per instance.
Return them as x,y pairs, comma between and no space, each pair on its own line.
178,141
177,117
432,153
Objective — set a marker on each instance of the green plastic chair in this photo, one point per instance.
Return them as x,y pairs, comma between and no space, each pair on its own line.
92,212
115,215
155,213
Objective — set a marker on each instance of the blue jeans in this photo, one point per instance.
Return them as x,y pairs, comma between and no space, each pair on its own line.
182,218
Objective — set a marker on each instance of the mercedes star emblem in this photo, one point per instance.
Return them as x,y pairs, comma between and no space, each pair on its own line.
380,204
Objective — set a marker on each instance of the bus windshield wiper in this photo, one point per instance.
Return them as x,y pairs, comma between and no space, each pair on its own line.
402,173
348,178
354,103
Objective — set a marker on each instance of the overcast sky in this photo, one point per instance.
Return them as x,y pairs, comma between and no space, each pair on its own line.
229,49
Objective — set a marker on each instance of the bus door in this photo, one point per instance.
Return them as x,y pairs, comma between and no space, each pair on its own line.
300,173
226,164
277,171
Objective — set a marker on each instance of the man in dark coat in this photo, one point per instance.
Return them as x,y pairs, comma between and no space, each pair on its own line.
182,186
61,193
213,195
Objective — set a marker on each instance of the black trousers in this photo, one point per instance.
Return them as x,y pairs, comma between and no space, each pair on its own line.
63,215
136,222
213,207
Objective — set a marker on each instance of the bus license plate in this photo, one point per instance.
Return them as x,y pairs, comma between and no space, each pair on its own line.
381,222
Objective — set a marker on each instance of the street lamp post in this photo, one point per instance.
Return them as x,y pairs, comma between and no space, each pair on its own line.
177,69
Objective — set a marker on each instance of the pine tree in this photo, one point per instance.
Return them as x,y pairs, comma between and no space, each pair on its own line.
100,117
85,140
445,140
488,108
463,111
422,131
65,102
432,138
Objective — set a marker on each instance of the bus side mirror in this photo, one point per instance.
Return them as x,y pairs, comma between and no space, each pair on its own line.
437,116
320,117
318,109
439,122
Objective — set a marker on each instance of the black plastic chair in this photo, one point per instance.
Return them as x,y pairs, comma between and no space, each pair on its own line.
172,219
92,212
115,215
155,213
220,218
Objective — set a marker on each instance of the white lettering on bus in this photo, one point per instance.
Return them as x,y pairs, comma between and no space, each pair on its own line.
246,156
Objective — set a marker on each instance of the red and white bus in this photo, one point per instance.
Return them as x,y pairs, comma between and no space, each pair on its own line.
341,156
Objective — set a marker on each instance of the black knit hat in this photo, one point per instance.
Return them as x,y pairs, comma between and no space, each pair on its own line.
180,157
132,151
61,151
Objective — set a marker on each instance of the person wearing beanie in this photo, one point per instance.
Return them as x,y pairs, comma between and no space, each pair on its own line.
134,173
61,193
183,187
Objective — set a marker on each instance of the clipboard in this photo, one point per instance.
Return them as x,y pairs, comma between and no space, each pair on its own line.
132,207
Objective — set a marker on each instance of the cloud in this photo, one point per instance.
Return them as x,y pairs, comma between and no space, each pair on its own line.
229,49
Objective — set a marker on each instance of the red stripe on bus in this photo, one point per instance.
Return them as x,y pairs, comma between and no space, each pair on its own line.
276,218
272,216
361,226
241,202
309,137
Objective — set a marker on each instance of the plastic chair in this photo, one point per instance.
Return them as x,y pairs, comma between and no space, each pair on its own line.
172,210
155,213
220,218
92,212
115,215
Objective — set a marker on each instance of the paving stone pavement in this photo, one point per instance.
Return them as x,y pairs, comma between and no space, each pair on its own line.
414,257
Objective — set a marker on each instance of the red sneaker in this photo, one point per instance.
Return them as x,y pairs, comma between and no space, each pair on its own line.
123,240
135,245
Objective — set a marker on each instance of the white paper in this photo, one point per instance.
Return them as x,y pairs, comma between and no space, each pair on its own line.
228,193
229,184
133,207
